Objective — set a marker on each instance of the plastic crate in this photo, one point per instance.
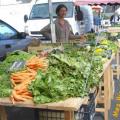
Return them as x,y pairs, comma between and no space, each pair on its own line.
85,112
51,115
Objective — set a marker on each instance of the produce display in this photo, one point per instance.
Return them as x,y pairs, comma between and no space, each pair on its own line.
112,36
105,49
20,81
91,38
70,74
12,57
5,83
60,74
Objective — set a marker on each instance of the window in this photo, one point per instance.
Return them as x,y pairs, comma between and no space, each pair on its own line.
41,11
6,32
79,14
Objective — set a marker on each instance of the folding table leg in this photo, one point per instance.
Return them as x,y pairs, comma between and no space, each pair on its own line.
3,114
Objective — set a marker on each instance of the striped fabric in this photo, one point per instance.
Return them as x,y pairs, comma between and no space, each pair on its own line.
85,2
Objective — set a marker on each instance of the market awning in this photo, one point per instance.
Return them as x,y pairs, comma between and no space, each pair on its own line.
85,2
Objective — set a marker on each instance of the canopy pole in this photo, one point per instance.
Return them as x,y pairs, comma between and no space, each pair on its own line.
52,25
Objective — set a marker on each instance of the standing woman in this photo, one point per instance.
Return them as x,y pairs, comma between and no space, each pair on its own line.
63,29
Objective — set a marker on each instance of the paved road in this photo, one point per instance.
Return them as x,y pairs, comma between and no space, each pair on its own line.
114,102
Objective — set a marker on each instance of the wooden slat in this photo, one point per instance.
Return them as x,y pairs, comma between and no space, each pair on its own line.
109,86
100,110
113,29
69,115
106,93
118,64
100,100
108,63
112,85
3,114
72,104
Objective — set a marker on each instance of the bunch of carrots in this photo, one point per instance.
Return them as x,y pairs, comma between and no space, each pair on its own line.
36,63
20,80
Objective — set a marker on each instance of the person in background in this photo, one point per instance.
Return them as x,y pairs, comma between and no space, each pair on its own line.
97,22
63,29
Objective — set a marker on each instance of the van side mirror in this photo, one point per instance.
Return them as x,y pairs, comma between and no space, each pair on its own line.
25,18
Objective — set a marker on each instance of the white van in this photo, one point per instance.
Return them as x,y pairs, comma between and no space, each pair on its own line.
13,11
39,16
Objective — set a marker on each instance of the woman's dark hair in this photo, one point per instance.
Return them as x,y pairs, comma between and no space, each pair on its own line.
59,7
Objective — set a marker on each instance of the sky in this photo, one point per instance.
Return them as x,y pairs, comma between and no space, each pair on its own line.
8,2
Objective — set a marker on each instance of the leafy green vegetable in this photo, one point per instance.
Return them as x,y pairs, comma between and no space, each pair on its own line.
70,74
11,58
5,85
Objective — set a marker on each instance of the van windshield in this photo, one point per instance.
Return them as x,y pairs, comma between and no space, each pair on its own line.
41,11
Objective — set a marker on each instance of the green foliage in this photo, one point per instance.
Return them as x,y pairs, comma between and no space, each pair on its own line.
11,58
5,83
91,36
70,74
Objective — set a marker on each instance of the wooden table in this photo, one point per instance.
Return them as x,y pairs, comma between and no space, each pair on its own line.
68,106
108,91
72,104
116,30
118,61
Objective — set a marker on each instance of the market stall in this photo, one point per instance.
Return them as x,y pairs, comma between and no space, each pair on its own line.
111,2
68,107
68,84
104,97
61,82
114,34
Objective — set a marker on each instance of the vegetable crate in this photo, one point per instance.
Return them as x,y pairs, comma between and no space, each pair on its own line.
85,112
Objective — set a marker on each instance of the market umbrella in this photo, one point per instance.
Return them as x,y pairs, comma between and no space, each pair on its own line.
96,7
85,2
